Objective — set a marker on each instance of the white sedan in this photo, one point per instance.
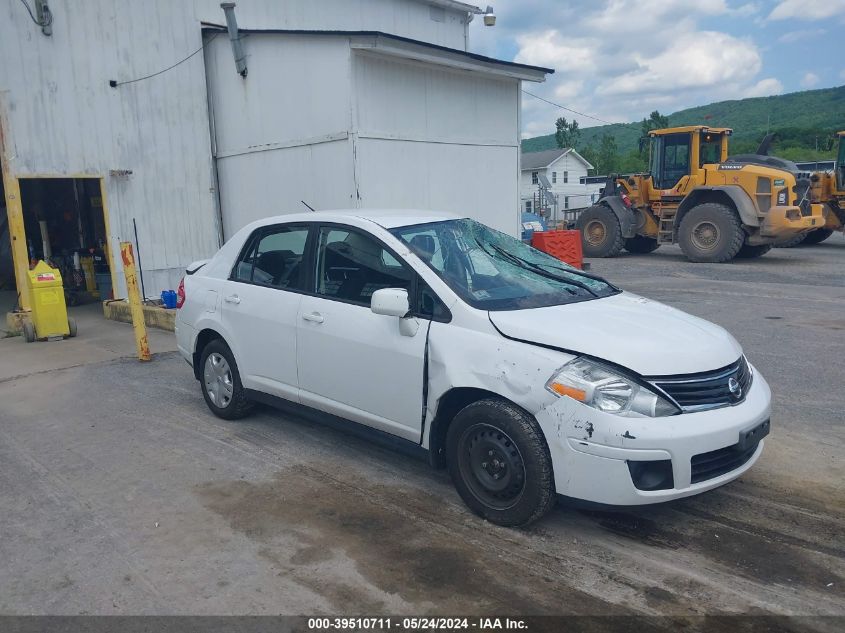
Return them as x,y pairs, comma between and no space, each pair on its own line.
525,377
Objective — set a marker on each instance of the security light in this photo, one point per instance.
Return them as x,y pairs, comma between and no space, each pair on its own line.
489,17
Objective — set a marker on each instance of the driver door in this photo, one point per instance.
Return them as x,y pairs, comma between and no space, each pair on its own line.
354,363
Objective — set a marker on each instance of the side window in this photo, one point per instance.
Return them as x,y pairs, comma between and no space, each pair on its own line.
351,266
275,258
429,305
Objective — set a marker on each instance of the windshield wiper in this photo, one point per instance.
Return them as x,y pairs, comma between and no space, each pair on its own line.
522,263
570,271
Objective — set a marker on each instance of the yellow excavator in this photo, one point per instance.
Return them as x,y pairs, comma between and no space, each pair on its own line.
828,188
693,195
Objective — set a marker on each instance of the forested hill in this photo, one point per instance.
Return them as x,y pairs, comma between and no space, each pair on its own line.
799,118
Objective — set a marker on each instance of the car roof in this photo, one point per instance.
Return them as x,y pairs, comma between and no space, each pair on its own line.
387,218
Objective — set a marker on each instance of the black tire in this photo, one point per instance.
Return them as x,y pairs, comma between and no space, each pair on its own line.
711,233
497,430
793,241
749,251
227,398
28,332
71,326
817,236
641,244
601,235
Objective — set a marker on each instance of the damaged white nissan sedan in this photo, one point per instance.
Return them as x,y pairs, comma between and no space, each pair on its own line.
525,377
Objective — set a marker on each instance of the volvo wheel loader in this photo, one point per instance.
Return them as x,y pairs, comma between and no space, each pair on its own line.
828,188
692,195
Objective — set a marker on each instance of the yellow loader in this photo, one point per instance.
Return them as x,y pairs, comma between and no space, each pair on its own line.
693,195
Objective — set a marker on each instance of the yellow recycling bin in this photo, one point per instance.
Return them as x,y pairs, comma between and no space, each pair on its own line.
49,318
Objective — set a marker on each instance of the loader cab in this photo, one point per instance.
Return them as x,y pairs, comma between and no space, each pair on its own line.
840,162
679,152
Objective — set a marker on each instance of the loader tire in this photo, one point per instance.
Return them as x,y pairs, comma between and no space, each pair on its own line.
641,244
711,233
817,236
601,235
749,251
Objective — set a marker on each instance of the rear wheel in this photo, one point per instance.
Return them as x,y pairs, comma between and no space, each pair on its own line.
749,251
711,233
221,383
641,244
601,235
28,332
500,463
817,236
71,327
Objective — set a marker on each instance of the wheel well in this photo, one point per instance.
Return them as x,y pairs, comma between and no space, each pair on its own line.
203,338
700,197
447,408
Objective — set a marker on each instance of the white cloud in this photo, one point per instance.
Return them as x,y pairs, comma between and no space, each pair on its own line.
809,80
765,88
801,34
842,74
807,9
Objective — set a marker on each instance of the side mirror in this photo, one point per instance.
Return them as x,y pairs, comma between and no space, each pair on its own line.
390,302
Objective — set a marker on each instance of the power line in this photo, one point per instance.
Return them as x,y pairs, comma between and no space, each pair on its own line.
32,16
115,84
562,107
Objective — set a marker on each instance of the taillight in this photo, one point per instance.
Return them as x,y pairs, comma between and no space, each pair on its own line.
180,294
626,200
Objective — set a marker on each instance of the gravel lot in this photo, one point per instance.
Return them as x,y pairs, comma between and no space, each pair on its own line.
121,494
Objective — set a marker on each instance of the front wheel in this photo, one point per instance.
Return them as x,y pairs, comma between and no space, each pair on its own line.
601,235
500,463
711,233
221,383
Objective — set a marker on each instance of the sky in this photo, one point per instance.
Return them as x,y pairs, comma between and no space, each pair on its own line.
618,60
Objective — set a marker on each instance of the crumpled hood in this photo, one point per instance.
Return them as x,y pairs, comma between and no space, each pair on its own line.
645,336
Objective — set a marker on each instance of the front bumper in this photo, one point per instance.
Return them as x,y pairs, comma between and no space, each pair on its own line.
590,449
781,223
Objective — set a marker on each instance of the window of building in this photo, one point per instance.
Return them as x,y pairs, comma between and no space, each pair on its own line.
351,266
566,202
565,176
554,177
528,206
534,179
274,258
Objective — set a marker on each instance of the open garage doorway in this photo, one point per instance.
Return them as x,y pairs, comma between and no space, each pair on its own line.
66,225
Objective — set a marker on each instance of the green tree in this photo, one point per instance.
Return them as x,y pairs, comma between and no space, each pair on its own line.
566,133
655,121
607,156
633,163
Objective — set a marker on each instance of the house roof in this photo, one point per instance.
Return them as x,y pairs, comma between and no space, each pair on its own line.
454,4
415,49
542,160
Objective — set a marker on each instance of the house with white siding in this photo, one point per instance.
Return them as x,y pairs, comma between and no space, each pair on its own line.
565,171
133,121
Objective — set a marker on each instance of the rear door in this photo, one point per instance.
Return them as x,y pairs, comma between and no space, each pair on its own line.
352,362
260,305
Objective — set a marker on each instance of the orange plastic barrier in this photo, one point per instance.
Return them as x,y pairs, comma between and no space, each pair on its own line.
565,245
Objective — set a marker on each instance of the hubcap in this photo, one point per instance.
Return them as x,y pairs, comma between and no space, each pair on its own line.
218,380
492,466
596,232
705,236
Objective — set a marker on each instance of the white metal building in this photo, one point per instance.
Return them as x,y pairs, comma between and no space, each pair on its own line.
564,169
346,103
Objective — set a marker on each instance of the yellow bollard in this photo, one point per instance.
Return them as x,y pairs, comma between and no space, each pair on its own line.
135,308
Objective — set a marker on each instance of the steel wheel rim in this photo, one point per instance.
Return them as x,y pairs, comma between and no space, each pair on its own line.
492,466
217,377
705,235
596,232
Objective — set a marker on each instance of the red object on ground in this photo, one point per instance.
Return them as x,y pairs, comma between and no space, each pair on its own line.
565,245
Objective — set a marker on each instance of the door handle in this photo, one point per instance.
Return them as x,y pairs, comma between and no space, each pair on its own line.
314,317
233,299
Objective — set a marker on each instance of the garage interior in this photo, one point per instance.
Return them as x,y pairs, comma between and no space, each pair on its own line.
65,226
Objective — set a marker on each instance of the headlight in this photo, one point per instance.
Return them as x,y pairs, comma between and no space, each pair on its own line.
607,390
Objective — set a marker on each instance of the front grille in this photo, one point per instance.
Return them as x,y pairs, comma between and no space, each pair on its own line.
708,390
710,465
